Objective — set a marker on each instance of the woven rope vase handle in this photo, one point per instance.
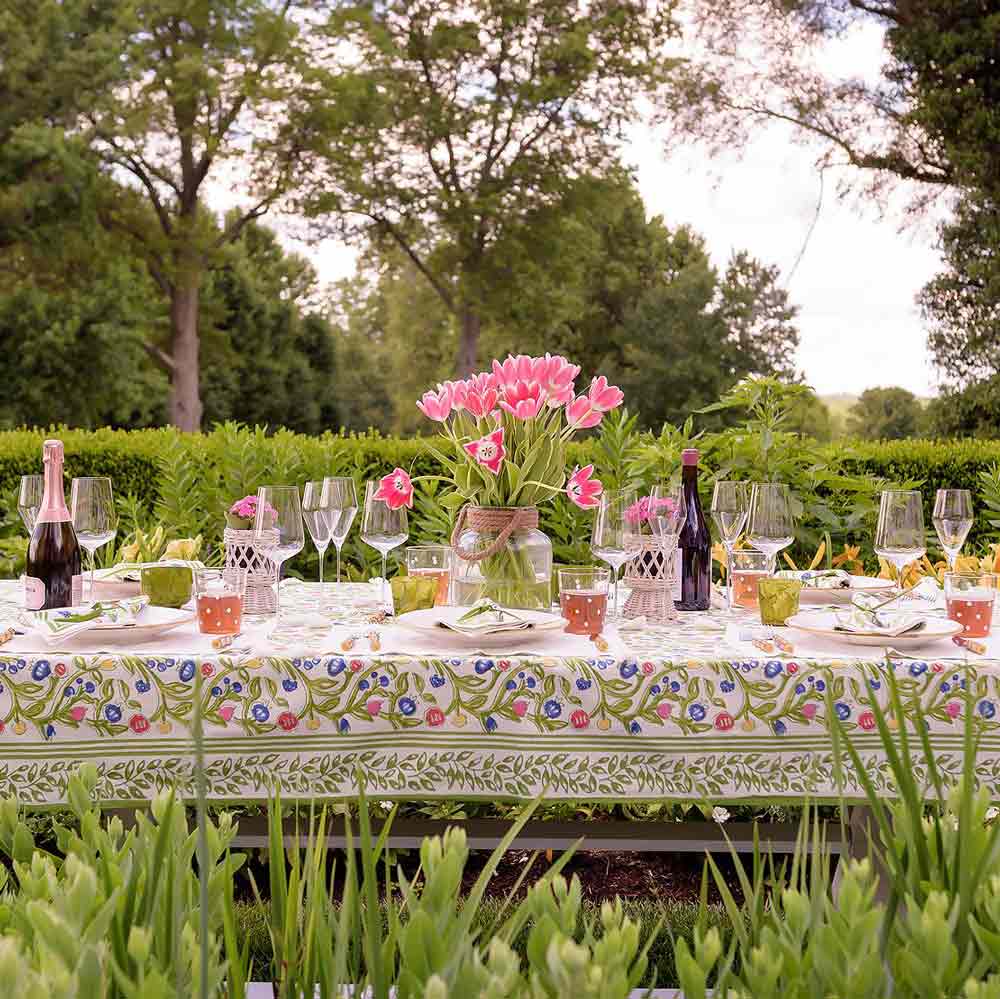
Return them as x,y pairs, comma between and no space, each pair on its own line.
504,520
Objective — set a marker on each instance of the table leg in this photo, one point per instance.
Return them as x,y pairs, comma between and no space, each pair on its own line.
863,839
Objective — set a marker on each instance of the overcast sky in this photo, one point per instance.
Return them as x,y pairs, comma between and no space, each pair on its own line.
856,282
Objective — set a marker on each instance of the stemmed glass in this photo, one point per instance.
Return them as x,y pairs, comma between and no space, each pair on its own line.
899,536
317,518
29,499
382,528
95,520
340,498
617,538
952,521
667,510
730,509
770,524
279,509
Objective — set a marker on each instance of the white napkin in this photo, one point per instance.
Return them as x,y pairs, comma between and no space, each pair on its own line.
67,622
861,617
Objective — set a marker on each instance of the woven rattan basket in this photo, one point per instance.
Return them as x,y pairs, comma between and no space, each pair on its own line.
650,578
246,550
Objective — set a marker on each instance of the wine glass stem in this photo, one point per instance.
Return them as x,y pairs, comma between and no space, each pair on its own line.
322,558
614,576
92,552
729,576
277,591
385,602
338,561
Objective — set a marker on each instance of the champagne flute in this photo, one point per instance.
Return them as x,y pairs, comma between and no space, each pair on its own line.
617,537
95,520
952,521
770,525
667,510
279,509
730,509
317,519
382,528
29,499
899,535
340,497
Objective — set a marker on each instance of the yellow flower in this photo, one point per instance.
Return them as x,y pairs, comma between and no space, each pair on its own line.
459,719
818,557
748,725
20,728
129,553
183,548
312,724
849,559
165,727
603,724
719,555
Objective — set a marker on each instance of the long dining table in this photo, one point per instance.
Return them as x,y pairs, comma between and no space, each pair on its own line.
687,711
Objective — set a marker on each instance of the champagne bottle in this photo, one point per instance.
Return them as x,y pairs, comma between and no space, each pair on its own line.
52,575
693,566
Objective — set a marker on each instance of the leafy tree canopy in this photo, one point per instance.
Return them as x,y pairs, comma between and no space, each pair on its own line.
885,414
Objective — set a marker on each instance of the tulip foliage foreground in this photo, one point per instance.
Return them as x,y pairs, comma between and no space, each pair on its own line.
121,913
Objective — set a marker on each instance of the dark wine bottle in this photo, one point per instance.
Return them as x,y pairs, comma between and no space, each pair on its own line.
693,569
52,575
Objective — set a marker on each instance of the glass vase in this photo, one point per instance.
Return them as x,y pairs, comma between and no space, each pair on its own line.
500,554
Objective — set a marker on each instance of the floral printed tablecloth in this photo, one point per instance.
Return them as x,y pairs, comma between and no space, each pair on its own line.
688,714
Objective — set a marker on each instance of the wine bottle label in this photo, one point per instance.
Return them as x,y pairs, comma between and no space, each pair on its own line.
678,565
77,589
34,593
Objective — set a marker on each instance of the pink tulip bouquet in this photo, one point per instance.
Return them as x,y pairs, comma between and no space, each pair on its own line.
506,430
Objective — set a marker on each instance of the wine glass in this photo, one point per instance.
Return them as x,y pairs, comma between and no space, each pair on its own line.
899,536
340,497
667,510
279,509
29,499
730,509
382,528
770,525
95,520
952,521
317,519
617,537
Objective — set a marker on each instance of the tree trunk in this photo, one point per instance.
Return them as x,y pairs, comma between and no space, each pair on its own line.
468,343
185,394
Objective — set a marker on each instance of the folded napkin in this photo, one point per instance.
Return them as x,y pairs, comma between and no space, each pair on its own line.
862,618
819,579
131,572
68,622
487,618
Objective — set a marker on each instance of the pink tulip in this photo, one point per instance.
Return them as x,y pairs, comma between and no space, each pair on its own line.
480,403
436,405
581,413
523,399
583,489
556,376
488,451
457,391
605,397
395,490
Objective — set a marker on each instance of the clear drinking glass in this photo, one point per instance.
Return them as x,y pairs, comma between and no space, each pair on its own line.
952,520
219,600
317,519
279,508
340,498
383,529
667,509
616,538
746,569
770,523
29,499
431,562
899,536
95,520
730,509
583,599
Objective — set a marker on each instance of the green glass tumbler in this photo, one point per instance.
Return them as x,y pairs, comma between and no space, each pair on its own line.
779,600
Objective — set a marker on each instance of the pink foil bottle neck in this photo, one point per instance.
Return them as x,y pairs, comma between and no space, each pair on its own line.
53,508
689,456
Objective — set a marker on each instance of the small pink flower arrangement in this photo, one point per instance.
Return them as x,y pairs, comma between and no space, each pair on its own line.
643,508
242,515
506,431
